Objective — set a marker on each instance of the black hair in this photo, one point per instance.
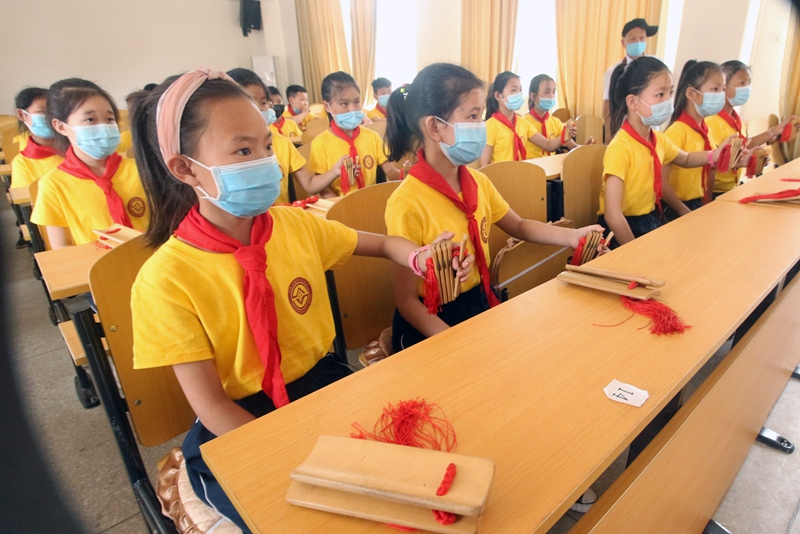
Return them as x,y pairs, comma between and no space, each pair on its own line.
334,83
25,99
437,90
381,83
694,74
64,97
150,86
131,98
498,86
292,90
169,199
534,87
273,91
630,79
245,77
730,68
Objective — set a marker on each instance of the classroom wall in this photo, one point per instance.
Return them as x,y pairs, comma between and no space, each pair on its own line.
438,32
282,39
119,44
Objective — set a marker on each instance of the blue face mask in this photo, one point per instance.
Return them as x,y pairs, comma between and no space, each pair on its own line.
269,116
661,113
515,101
742,96
469,144
245,189
636,49
383,100
39,126
349,120
547,103
297,111
98,141
712,104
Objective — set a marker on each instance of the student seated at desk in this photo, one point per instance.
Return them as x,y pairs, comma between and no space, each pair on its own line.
234,298
439,114
94,187
282,125
39,156
632,186
289,159
381,88
298,110
550,133
346,138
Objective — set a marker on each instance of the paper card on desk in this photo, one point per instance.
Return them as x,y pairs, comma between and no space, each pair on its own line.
625,393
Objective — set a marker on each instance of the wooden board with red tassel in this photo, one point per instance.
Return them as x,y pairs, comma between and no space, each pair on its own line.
442,286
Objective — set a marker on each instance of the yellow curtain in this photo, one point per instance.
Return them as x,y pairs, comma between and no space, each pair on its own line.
792,76
588,34
322,42
488,30
362,18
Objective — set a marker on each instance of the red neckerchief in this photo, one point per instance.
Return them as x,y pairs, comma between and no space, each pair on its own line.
380,108
702,129
116,207
279,124
651,146
734,121
543,122
519,145
259,299
351,142
469,190
34,150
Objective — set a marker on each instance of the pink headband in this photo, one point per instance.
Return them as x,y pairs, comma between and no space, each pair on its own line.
171,105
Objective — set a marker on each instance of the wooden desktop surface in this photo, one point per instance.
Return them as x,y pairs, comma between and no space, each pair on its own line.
66,270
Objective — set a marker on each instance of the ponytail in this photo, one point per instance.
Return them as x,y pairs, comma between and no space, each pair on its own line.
630,79
498,86
694,74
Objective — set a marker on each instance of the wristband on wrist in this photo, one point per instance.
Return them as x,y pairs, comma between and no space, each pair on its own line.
711,159
772,136
413,263
563,133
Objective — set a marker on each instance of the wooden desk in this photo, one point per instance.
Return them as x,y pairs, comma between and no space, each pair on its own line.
5,168
522,383
768,183
20,195
66,270
551,165
320,212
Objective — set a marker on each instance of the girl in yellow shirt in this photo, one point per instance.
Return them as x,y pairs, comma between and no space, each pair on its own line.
632,187
234,298
439,114
38,157
94,187
345,138
550,134
506,132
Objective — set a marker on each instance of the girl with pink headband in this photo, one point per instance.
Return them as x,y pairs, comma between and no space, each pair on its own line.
235,298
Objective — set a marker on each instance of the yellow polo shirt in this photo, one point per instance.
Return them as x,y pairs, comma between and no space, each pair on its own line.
289,129
308,118
687,183
25,170
289,160
718,131
375,113
501,139
554,127
327,148
188,304
125,142
419,213
631,161
80,205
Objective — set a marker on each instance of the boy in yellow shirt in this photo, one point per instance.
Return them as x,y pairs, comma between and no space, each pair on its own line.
381,88
298,109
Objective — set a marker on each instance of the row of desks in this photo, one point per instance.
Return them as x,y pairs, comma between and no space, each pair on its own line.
522,383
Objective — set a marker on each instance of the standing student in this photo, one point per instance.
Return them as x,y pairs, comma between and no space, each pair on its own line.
633,189
345,138
634,41
728,122
298,109
700,94
94,187
234,299
39,156
381,89
549,130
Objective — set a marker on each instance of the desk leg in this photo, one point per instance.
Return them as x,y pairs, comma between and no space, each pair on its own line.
715,528
84,388
656,425
796,373
339,346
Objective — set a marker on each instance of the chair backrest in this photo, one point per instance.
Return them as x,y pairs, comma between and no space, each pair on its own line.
318,110
776,149
11,150
299,192
33,190
313,129
589,126
364,285
379,127
7,135
124,120
561,114
582,174
524,187
158,409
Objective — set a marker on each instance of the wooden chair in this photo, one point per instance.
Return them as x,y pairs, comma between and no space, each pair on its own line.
589,126
318,110
363,286
313,129
777,155
378,127
124,120
11,150
561,114
296,191
144,405
582,175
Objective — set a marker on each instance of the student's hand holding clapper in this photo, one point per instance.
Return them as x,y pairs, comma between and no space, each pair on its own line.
464,269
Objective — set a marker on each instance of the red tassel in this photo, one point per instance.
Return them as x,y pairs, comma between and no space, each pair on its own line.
444,518
578,254
790,179
788,193
447,481
751,167
344,181
787,132
663,320
724,159
432,297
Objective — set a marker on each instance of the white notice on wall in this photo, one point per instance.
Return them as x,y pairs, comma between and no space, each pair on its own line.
625,393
